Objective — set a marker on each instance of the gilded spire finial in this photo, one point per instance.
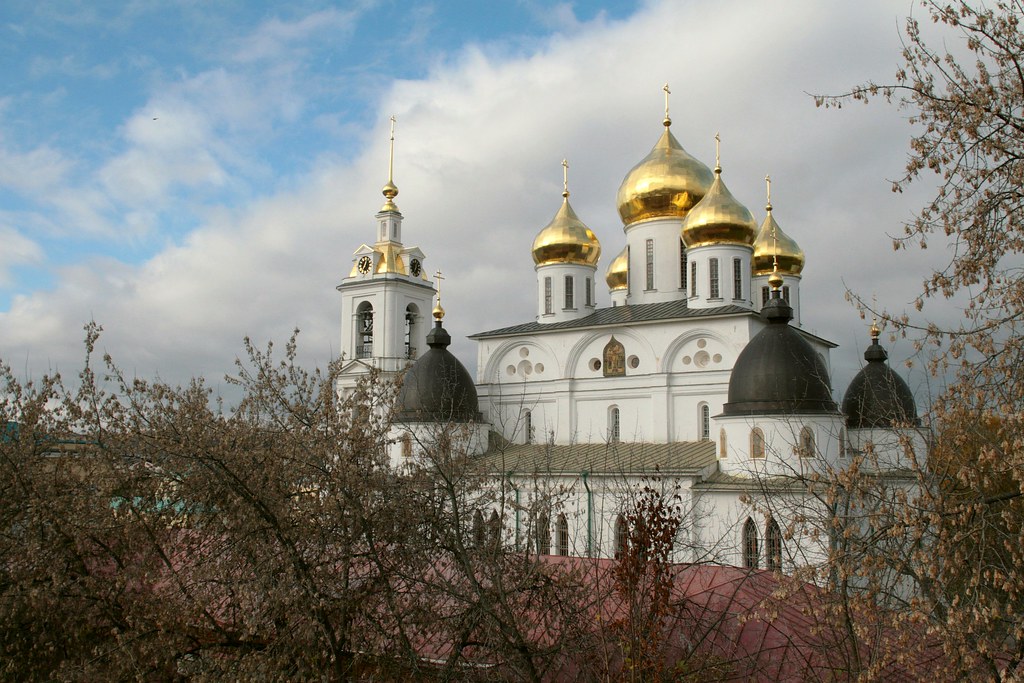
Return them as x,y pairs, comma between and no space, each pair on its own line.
565,178
774,280
718,154
668,119
390,190
874,331
438,310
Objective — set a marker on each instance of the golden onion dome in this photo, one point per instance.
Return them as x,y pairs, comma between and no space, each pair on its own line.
719,219
774,245
617,276
566,239
667,182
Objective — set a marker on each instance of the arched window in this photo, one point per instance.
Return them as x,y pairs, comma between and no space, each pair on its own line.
649,270
406,445
411,330
713,278
613,424
528,427
704,422
842,443
494,525
682,264
478,528
773,546
364,330
756,444
737,279
806,443
621,536
750,549
614,358
547,296
543,535
563,535
723,445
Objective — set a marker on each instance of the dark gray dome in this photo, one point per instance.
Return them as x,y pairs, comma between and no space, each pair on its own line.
779,372
438,388
877,396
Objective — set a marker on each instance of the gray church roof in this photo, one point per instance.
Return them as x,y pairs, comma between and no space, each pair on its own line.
600,458
620,315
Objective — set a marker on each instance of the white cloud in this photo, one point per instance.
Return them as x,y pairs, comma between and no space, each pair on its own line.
479,145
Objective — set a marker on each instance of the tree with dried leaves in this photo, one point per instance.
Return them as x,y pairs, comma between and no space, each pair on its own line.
967,106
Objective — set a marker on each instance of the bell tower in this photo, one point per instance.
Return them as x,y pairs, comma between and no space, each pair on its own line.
385,300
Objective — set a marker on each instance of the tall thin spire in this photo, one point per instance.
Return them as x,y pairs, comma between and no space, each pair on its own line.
438,310
718,154
774,280
668,119
390,190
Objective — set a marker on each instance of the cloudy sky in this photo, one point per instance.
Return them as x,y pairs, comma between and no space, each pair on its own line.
187,174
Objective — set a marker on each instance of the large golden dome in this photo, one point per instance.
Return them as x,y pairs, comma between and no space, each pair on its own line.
668,182
566,239
783,248
618,271
718,219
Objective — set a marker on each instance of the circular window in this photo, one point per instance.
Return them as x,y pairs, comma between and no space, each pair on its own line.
524,352
595,364
539,368
634,362
701,343
686,360
702,359
525,367
511,369
717,358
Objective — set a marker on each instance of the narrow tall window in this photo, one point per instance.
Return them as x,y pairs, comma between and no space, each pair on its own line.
705,422
478,528
650,264
751,553
364,323
411,331
613,424
621,537
785,293
547,296
682,265
563,535
713,277
570,299
528,426
773,546
693,279
406,446
543,535
588,284
766,294
737,279
723,444
494,525
842,443
806,447
756,444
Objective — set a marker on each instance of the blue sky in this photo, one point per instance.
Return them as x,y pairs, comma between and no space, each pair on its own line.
189,173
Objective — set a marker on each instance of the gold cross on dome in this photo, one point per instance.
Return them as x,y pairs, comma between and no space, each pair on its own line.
565,178
438,277
718,156
667,93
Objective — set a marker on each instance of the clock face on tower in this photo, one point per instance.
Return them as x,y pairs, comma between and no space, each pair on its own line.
364,264
415,268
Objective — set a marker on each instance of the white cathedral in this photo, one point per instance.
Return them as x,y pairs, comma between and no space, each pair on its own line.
698,379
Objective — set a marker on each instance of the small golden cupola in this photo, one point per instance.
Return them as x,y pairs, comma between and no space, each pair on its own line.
617,276
774,246
668,182
719,218
566,239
